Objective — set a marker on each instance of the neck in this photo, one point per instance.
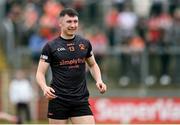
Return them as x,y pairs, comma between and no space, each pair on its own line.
67,37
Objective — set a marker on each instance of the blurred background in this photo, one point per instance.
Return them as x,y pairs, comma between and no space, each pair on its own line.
136,44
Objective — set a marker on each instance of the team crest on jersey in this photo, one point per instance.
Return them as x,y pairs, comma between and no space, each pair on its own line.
82,46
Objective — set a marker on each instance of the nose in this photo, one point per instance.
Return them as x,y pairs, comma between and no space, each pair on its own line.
73,25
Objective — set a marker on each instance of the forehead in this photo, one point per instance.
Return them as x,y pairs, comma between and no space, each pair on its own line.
67,17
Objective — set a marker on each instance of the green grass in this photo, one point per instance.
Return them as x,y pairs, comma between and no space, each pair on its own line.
32,122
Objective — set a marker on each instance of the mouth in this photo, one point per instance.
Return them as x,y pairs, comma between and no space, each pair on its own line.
72,29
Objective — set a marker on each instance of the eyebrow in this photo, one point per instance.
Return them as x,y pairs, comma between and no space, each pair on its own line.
73,20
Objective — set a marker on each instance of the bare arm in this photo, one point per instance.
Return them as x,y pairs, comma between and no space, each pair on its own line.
40,77
96,73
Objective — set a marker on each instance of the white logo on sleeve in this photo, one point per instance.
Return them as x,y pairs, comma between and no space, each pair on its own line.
44,57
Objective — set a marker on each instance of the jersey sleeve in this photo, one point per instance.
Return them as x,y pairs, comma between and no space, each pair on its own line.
89,53
46,53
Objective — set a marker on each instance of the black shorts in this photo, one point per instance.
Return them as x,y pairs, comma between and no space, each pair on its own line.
58,109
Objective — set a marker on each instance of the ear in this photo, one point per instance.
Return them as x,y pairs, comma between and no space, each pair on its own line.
60,24
60,21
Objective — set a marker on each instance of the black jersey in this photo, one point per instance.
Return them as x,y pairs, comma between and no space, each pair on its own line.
67,61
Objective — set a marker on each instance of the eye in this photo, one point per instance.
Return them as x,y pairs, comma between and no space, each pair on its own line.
68,21
75,21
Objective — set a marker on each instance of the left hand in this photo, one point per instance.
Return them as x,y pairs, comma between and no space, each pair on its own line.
102,87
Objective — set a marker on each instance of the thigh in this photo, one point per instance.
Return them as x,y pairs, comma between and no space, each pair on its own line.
81,114
87,119
57,121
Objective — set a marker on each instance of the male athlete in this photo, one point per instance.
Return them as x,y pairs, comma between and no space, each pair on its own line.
66,55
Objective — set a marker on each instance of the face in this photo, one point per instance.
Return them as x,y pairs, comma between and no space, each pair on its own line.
68,25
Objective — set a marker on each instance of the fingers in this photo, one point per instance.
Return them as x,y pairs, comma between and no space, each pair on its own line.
102,87
49,93
52,90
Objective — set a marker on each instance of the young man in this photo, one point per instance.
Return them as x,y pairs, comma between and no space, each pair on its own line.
68,94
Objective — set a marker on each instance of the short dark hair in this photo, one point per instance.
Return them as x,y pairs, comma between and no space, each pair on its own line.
68,11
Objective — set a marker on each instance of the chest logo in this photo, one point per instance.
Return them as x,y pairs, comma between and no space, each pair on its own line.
82,46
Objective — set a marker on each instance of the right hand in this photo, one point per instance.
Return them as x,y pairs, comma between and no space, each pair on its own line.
49,93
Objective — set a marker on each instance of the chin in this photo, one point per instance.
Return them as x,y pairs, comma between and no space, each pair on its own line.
71,34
